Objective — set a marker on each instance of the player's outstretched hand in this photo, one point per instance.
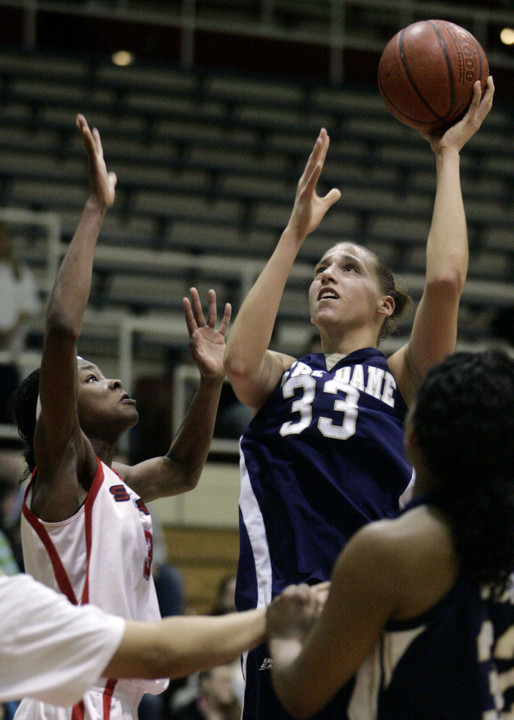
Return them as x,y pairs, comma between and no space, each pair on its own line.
207,344
309,208
458,135
101,182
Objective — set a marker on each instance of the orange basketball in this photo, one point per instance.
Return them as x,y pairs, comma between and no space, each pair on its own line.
427,71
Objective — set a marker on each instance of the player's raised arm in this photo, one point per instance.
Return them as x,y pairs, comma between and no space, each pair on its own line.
58,438
434,329
253,370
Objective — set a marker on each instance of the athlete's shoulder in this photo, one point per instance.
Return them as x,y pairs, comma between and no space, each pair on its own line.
416,539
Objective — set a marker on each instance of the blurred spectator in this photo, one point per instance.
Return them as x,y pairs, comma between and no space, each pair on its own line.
225,596
10,509
225,602
19,302
10,542
168,580
187,694
216,699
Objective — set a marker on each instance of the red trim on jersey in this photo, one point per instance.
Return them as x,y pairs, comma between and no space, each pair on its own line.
59,572
77,711
108,692
88,516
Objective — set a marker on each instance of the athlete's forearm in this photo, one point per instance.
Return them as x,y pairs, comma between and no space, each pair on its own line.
447,247
190,447
179,646
250,335
73,283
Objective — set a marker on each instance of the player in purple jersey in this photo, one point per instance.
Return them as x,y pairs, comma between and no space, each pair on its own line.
421,607
323,454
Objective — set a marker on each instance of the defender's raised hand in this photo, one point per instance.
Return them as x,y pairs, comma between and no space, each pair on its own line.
101,182
309,208
207,344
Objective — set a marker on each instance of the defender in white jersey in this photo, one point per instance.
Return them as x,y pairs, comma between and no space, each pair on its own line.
86,529
292,489
54,651
420,612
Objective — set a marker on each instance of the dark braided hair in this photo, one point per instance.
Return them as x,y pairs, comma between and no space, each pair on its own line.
24,414
464,421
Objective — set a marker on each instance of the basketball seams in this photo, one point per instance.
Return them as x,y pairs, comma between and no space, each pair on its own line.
437,30
410,77
413,86
401,114
480,52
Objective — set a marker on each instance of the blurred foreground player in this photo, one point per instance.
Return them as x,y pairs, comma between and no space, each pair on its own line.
54,651
421,608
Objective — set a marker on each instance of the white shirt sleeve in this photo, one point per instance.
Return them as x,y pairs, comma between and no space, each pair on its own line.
51,650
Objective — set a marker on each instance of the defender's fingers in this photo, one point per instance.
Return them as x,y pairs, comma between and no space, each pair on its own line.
197,307
225,322
190,319
212,311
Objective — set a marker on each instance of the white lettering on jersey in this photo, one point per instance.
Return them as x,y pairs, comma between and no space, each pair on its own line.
389,388
358,377
302,406
377,382
375,378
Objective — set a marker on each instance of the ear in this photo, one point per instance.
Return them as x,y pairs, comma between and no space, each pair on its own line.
386,306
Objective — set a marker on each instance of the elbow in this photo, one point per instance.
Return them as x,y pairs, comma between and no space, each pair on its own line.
239,372
449,283
235,367
189,478
298,711
192,480
294,695
294,704
59,324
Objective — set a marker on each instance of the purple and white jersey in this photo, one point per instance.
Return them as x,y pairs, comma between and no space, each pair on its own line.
321,458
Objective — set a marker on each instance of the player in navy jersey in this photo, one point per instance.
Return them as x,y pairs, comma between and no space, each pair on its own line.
420,611
323,455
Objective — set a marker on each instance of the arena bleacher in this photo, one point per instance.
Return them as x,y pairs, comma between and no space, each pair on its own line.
207,166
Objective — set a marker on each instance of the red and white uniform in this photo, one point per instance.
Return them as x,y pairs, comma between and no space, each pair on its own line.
100,555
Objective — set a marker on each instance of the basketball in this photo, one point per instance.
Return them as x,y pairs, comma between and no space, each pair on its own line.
427,71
